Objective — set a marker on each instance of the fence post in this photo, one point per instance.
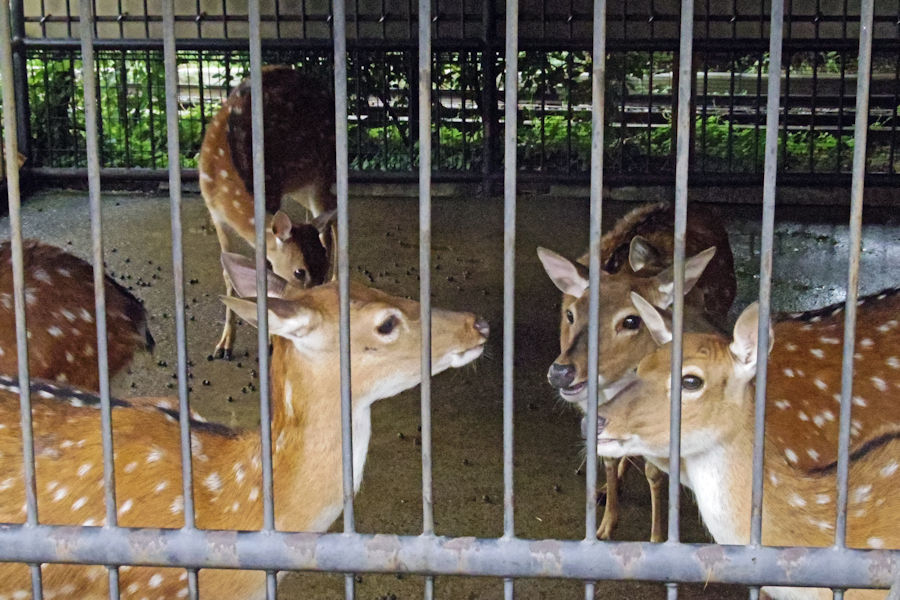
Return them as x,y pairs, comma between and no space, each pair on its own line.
20,77
488,95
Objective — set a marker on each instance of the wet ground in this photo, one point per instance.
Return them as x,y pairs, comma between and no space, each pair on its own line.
810,265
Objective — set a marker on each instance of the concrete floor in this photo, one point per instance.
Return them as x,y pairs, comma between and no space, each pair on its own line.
467,260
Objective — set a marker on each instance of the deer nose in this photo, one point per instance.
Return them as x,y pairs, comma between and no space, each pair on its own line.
561,376
482,327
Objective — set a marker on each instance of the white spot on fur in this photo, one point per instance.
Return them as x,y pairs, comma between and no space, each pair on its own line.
817,352
177,505
812,454
60,494
829,340
239,472
782,404
893,362
55,331
789,372
802,415
126,506
83,469
874,542
79,503
155,581
823,498
160,486
862,493
254,494
213,482
866,343
880,384
130,467
820,384
796,500
819,420
889,469
63,271
791,455
859,401
154,455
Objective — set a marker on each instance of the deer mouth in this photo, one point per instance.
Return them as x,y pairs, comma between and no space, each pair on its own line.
570,393
464,357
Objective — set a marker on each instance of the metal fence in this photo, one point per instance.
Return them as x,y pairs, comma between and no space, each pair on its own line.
508,557
729,88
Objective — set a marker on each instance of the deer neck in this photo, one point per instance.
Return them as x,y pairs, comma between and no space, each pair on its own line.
306,439
721,477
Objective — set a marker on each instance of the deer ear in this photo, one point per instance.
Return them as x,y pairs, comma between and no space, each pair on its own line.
746,336
282,226
324,220
570,278
242,273
642,254
287,318
654,321
693,270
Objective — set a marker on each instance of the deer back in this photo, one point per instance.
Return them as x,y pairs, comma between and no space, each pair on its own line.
59,310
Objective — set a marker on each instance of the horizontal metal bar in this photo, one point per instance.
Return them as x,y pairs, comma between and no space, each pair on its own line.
431,555
610,179
443,44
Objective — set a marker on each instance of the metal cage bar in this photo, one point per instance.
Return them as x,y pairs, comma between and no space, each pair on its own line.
425,83
88,33
511,117
184,410
856,197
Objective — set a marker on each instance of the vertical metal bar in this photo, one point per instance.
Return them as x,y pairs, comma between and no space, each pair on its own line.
861,128
840,115
509,263
184,414
488,93
681,192
15,226
20,78
339,27
598,122
425,266
259,214
88,31
773,97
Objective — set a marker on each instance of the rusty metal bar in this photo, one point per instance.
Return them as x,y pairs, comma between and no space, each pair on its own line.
15,233
496,557
174,155
861,128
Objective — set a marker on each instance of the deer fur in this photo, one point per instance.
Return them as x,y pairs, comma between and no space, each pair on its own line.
306,433
717,432
298,114
59,314
635,256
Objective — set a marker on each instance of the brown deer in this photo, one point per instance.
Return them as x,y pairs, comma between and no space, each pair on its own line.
306,432
718,382
635,256
59,311
300,161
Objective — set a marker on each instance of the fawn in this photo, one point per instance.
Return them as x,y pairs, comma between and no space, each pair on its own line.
635,256
306,432
300,161
717,429
59,306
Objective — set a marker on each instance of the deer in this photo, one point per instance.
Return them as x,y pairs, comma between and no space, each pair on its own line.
300,158
718,389
306,432
59,310
635,256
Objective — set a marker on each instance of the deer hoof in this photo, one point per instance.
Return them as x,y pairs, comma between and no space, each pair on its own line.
223,353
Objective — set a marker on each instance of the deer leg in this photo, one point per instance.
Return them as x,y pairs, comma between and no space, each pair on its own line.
611,510
655,478
226,342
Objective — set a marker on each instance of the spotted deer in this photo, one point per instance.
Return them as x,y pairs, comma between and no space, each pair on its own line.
635,256
59,311
300,160
718,387
306,431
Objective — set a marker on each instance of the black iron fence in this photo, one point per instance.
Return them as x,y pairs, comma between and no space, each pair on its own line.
730,58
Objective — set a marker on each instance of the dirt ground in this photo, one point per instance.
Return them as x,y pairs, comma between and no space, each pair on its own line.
810,263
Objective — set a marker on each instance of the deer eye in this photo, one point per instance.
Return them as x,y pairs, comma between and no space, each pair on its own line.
300,274
388,325
569,316
631,322
691,383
